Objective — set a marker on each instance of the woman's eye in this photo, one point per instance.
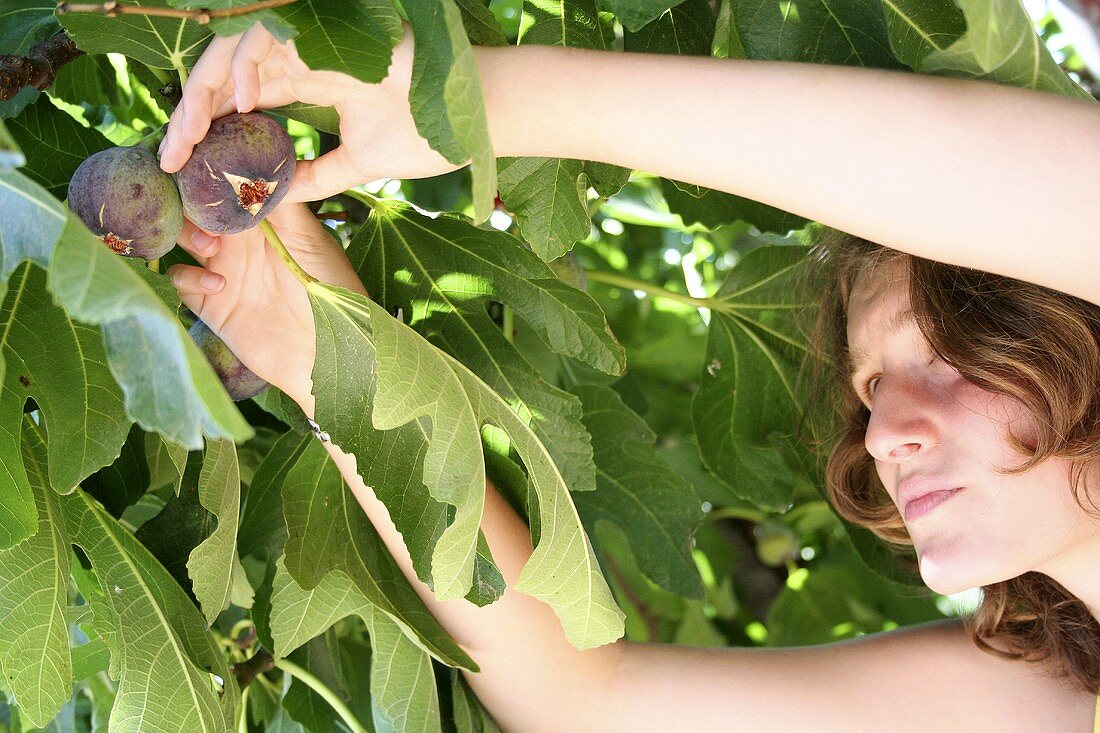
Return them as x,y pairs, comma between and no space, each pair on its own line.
869,387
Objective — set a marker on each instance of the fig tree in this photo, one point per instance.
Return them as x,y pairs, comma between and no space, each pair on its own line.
123,196
237,174
239,381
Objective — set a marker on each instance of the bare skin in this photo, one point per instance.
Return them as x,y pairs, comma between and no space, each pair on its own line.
804,143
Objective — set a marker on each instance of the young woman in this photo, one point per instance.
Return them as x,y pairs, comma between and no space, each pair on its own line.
954,383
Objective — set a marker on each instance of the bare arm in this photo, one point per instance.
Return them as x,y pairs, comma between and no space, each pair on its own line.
970,173
533,680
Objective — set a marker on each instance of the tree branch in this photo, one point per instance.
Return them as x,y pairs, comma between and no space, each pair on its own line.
260,662
39,67
202,16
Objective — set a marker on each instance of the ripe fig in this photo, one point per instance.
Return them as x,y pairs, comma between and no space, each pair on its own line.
239,381
237,174
125,198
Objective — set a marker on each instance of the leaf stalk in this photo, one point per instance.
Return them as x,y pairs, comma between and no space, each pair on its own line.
324,691
284,254
610,278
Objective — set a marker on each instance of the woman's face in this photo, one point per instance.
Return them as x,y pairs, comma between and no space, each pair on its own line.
930,429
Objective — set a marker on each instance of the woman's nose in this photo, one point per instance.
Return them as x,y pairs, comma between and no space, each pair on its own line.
905,420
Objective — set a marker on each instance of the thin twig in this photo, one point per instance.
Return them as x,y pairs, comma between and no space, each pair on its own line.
39,67
202,16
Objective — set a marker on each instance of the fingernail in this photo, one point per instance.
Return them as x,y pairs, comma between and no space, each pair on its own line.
202,241
212,282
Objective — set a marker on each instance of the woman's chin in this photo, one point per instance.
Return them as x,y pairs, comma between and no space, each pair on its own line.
946,579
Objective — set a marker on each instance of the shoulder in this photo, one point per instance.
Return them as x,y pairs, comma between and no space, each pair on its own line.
912,679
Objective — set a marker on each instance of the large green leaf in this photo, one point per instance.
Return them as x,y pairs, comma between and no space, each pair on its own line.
11,157
62,364
634,14
480,23
328,531
263,529
441,271
158,42
746,410
163,656
214,563
713,209
654,506
353,38
32,223
446,98
34,591
549,195
402,684
1001,45
823,31
919,27
686,29
169,385
25,22
54,143
415,380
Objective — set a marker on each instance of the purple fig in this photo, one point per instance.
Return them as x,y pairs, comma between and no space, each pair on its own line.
237,174
125,198
239,381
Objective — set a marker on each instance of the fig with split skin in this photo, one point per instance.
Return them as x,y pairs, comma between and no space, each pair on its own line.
239,381
237,174
124,197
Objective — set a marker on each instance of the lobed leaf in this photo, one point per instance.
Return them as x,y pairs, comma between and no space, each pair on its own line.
164,657
168,384
213,565
1001,45
327,533
158,42
416,381
55,144
656,508
446,98
746,410
34,591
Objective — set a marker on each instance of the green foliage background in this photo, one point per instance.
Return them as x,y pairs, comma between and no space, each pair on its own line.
617,352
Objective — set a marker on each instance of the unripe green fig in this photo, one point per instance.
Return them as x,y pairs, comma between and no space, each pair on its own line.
237,174
775,544
123,196
239,381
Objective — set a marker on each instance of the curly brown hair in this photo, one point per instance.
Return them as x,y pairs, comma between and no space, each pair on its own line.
1009,337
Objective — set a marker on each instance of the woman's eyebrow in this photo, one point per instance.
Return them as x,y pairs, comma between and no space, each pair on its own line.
858,354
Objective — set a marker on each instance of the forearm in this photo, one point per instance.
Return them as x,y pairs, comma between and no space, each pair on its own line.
966,172
527,666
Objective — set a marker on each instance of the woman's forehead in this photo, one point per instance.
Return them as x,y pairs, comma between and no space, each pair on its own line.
878,300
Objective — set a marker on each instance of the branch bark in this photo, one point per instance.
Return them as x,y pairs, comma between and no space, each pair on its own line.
39,67
257,664
202,16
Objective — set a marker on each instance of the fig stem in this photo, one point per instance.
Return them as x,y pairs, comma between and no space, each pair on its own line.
154,264
284,254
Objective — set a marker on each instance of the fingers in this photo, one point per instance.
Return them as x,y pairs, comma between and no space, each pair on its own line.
326,176
191,118
199,244
254,47
194,284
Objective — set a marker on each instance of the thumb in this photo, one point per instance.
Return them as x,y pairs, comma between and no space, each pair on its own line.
326,176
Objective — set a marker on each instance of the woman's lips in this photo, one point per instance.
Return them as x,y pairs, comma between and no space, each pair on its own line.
923,504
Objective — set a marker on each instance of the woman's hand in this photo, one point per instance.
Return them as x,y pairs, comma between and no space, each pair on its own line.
254,303
254,71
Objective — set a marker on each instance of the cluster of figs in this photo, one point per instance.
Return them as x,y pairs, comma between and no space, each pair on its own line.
235,177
